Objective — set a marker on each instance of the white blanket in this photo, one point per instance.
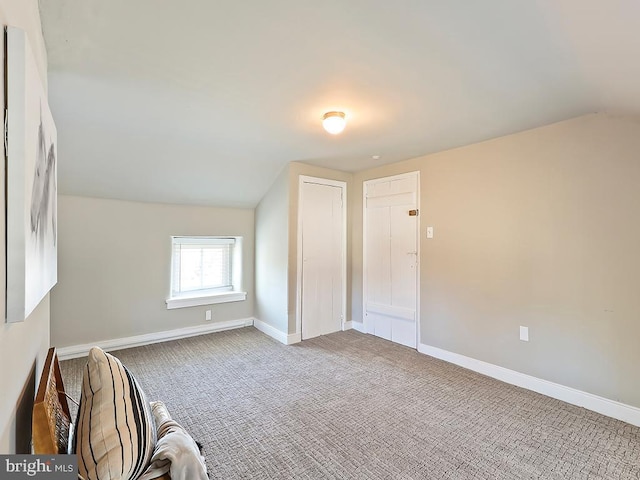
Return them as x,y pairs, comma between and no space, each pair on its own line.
176,452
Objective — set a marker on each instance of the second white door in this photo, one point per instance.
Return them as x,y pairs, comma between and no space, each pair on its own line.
322,230
391,258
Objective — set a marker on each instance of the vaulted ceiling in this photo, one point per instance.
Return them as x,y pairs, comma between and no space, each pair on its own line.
204,101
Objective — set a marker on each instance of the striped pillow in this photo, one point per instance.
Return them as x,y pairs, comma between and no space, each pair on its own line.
116,433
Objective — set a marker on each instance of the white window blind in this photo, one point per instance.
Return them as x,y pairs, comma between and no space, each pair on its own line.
201,264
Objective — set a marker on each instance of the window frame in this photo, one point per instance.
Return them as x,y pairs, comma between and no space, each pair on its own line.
208,296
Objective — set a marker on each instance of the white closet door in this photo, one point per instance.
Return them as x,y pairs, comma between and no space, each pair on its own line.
322,288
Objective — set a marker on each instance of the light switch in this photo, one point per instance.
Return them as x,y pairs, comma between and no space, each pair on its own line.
207,315
429,232
524,334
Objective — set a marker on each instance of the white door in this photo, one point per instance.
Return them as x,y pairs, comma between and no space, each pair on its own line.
391,258
321,223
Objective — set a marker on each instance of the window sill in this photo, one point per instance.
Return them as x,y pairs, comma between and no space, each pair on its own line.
184,302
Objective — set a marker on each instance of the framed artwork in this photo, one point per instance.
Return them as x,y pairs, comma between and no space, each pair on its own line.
31,182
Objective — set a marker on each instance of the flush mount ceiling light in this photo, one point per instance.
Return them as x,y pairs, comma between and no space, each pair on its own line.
334,122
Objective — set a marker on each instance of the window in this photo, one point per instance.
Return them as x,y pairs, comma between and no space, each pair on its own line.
205,270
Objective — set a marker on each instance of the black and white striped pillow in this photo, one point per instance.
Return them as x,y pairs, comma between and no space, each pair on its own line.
115,433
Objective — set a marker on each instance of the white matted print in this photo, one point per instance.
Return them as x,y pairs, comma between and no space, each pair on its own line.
31,182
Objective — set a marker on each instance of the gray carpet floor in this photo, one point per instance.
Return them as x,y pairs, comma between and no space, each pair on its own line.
353,406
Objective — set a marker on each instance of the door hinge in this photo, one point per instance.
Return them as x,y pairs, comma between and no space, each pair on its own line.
414,213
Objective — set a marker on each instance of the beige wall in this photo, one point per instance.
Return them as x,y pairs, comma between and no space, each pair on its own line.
21,344
537,229
114,262
295,170
272,254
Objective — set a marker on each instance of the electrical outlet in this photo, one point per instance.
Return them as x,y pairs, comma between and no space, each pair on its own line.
207,315
524,334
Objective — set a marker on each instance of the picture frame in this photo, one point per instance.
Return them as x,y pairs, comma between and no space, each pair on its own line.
31,182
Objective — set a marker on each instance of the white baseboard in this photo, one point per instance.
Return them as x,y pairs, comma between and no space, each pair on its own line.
75,351
347,325
359,326
277,334
602,405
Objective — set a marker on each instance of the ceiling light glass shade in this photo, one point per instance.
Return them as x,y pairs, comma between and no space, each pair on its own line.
334,122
